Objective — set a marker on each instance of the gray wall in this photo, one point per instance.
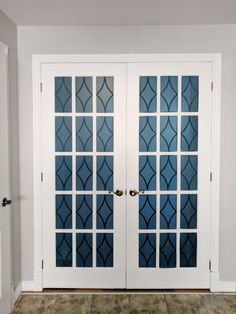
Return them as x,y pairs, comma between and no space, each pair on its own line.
149,39
8,35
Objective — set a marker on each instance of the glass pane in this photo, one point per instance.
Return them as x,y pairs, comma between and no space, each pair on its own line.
168,171
147,134
147,173
84,134
147,211
168,205
63,134
63,173
84,250
104,134
167,250
105,94
84,94
104,211
84,173
104,250
63,249
104,173
63,211
189,93
188,250
148,94
147,250
188,219
188,172
84,211
169,93
63,94
189,134
168,134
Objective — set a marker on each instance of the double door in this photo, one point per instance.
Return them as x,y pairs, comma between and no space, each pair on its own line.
126,175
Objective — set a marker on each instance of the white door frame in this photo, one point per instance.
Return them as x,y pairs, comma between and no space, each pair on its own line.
213,59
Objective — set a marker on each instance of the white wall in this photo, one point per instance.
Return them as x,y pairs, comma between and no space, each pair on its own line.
149,39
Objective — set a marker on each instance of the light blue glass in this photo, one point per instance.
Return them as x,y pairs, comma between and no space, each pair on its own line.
189,172
104,173
147,134
63,173
84,211
188,217
104,250
168,173
189,133
167,250
147,250
168,205
168,134
84,94
147,211
148,94
105,94
190,93
63,99
84,134
63,249
84,173
188,250
169,94
63,134
63,211
104,211
84,250
147,173
104,134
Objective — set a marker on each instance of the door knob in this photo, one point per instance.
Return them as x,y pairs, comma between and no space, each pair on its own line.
118,192
6,202
134,192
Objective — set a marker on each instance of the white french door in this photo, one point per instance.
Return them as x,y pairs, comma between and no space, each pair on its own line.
126,175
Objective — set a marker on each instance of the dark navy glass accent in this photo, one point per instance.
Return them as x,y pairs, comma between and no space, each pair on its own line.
63,211
63,249
84,173
147,173
104,173
84,94
63,99
104,250
188,172
104,211
63,173
104,134
105,94
169,93
84,250
84,134
84,211
188,217
168,205
168,134
147,134
167,250
147,211
188,250
189,133
148,94
63,134
168,173
189,93
147,250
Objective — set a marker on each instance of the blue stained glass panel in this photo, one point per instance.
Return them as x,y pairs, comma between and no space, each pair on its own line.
168,173
63,94
188,217
63,211
189,172
147,211
167,250
84,134
104,211
104,173
169,93
147,134
147,173
104,250
148,94
168,205
104,134
105,94
63,173
84,211
147,250
63,249
84,250
84,173
189,133
84,94
168,134
63,134
189,93
188,250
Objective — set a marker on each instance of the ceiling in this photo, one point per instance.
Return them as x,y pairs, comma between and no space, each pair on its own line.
119,12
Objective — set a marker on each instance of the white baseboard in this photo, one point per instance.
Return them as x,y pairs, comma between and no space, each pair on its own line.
28,286
16,292
227,286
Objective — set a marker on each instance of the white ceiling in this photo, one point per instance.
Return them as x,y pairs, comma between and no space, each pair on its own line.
119,12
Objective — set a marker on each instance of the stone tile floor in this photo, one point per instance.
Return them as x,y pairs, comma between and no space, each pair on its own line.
126,303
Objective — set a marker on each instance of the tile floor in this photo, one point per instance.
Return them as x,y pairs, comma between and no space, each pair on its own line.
126,303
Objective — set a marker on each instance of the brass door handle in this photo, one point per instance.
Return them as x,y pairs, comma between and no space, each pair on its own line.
134,192
117,192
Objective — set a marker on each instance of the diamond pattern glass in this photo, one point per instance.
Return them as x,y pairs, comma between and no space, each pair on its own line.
147,211
147,173
168,206
63,173
189,172
104,134
168,173
168,134
84,173
188,218
148,94
189,93
147,134
104,173
188,250
63,99
167,250
105,94
169,93
104,211
84,94
63,134
147,250
84,250
63,249
84,211
63,211
189,133
104,250
84,134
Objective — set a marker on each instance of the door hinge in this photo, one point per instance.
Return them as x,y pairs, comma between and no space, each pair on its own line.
209,265
42,264
41,87
212,86
210,176
41,177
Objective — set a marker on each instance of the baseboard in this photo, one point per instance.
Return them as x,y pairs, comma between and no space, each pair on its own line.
227,286
16,292
28,286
